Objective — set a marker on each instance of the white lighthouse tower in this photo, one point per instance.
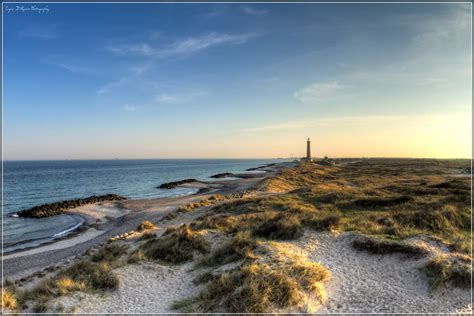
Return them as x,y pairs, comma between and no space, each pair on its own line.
308,150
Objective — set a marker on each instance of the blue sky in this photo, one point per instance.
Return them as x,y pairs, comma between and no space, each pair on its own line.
237,80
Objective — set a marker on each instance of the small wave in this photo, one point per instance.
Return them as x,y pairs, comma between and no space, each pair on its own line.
64,232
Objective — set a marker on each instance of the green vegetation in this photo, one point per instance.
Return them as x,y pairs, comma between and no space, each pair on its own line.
84,275
259,285
381,247
176,246
109,254
453,269
241,246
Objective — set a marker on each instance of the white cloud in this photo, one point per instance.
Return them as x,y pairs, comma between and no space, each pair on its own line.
41,32
71,68
141,49
192,45
214,13
74,68
186,46
252,10
179,98
130,108
180,48
134,72
316,91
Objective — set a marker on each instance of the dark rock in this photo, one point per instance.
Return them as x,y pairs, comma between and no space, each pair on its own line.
172,185
253,169
57,208
222,175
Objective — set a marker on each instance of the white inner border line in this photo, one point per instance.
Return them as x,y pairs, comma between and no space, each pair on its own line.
260,2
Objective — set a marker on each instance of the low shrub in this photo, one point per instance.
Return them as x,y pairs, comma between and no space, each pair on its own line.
176,245
146,225
241,246
282,226
444,269
382,247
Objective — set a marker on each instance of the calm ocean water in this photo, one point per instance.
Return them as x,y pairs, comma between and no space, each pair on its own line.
30,183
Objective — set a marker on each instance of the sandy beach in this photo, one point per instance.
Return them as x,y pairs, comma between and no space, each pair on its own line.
358,282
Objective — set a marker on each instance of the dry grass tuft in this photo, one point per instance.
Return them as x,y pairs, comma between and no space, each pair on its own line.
95,276
382,247
136,256
9,299
282,226
444,269
67,284
146,225
241,246
110,253
260,286
176,245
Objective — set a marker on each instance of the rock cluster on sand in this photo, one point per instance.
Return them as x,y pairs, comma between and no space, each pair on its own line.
222,175
57,208
172,185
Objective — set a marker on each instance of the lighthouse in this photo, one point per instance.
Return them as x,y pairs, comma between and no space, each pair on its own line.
308,150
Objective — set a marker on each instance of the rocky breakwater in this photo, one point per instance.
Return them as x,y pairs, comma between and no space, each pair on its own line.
57,208
222,175
172,185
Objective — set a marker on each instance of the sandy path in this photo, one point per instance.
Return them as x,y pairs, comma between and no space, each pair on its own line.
144,288
364,283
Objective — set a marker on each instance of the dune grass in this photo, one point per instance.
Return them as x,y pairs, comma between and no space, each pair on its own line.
444,269
241,246
84,275
394,198
110,254
9,300
145,225
176,246
259,284
381,247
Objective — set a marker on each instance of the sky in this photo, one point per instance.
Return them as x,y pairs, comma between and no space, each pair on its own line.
106,81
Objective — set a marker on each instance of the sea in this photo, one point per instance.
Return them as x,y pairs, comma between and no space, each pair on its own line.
30,183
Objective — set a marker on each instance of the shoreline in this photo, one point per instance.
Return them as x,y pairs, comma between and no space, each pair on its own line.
117,217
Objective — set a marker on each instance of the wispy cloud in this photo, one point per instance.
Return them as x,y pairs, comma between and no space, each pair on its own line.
40,32
316,91
130,108
214,13
179,98
71,67
133,73
186,46
179,48
141,49
192,45
252,10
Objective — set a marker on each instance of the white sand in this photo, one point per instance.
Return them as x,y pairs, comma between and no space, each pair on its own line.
144,288
364,283
360,283
100,211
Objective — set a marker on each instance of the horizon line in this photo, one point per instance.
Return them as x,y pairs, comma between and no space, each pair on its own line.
248,158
